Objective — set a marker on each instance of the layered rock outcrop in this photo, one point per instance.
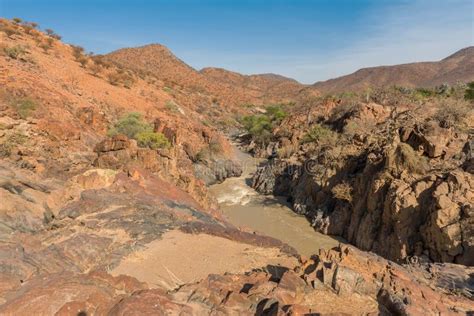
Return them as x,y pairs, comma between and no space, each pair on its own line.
400,188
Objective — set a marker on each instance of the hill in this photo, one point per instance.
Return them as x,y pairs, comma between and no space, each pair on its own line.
226,87
456,67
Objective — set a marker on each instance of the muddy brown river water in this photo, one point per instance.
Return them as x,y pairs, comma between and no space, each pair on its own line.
268,215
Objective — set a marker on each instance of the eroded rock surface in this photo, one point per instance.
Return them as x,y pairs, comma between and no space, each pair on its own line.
396,186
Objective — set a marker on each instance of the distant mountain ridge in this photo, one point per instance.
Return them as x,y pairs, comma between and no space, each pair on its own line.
456,67
228,87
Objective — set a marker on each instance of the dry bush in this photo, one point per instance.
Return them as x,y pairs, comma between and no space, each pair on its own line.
99,60
11,142
83,60
342,191
320,135
9,30
77,51
24,106
15,52
114,78
405,158
215,146
286,151
452,113
45,46
121,78
95,68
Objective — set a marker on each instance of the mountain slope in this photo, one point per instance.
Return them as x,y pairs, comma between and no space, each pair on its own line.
457,67
229,88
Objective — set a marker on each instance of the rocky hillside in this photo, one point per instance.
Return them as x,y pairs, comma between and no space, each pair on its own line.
104,206
457,67
230,89
395,178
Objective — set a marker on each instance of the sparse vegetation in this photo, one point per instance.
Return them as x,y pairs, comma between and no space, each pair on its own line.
168,90
28,27
24,107
121,77
9,30
15,52
133,126
342,191
260,126
405,158
95,68
469,94
451,114
172,106
83,60
320,134
215,146
11,142
45,47
17,20
99,60
152,140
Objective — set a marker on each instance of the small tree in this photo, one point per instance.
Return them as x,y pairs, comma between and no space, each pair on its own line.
17,20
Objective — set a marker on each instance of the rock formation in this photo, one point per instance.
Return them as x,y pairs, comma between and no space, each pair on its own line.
398,186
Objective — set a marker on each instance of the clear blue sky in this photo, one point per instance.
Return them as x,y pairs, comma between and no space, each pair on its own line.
306,40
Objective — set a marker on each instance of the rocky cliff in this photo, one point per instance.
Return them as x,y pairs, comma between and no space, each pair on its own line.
393,179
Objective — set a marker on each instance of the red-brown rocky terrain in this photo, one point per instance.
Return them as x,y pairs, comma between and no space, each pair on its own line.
392,178
231,89
450,70
94,222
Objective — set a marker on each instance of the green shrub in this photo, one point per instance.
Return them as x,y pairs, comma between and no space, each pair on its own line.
469,94
319,134
130,125
15,52
259,127
152,140
275,113
133,126
24,107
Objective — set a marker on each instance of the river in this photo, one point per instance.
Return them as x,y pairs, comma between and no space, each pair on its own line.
268,215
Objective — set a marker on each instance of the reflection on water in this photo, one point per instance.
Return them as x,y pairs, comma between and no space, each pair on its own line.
269,215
